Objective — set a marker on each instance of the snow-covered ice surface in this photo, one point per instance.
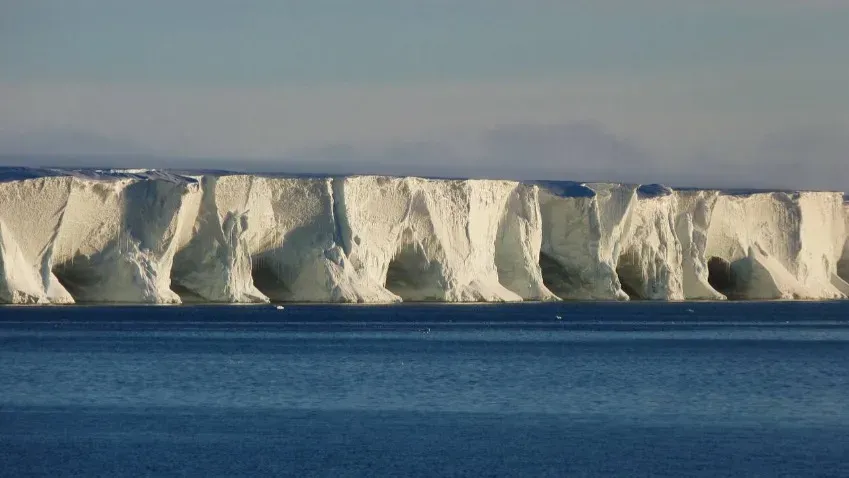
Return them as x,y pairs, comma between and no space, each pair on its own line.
144,236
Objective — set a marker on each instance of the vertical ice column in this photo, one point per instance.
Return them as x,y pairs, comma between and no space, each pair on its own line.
517,248
427,239
31,211
117,238
214,264
583,229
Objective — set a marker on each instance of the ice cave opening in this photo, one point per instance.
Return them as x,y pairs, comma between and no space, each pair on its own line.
186,295
412,276
721,276
77,278
843,264
630,274
266,278
179,269
555,277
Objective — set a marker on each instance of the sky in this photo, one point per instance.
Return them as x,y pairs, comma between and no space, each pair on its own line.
744,93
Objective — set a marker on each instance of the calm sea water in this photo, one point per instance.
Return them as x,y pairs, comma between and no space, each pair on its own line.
702,389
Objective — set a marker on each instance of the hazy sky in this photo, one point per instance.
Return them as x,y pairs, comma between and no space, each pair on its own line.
745,92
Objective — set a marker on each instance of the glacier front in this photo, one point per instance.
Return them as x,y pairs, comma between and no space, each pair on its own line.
146,236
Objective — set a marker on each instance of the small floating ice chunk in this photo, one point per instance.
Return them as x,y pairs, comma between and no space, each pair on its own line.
558,317
280,307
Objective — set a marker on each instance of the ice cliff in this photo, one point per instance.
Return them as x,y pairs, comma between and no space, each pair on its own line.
158,237
91,238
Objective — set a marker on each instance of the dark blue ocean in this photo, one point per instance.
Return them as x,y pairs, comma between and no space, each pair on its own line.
573,389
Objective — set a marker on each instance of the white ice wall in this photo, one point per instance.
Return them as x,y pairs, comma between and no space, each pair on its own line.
694,214
212,262
117,238
583,231
780,245
517,247
611,241
293,239
843,263
651,262
31,211
152,237
108,238
429,239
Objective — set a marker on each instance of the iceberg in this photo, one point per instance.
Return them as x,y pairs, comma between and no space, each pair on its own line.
157,237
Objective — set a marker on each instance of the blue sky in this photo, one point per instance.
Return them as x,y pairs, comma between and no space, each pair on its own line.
619,88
